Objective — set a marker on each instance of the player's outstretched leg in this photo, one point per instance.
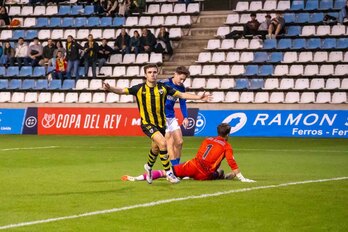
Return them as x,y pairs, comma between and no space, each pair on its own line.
148,170
151,159
166,165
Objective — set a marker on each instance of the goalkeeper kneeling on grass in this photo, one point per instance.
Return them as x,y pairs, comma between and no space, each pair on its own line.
205,166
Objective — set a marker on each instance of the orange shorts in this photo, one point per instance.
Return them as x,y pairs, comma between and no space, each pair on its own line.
192,170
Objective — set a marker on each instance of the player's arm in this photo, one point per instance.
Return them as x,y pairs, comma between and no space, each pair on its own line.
234,166
183,108
116,90
188,96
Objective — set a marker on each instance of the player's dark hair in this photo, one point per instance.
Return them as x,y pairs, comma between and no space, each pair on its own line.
223,129
182,70
146,67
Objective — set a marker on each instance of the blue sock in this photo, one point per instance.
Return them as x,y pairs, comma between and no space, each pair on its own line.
174,162
178,160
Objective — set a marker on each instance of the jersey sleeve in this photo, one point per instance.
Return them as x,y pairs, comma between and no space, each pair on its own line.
183,107
132,90
230,158
171,91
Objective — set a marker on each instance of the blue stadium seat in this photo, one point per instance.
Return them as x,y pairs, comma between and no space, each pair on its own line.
266,70
342,43
339,4
28,84
4,84
293,30
2,71
276,57
106,21
256,84
302,17
41,84
39,71
55,22
55,84
64,10
297,5
18,33
68,84
298,43
312,5
42,22
242,83
89,9
68,22
326,4
12,71
251,70
284,43
290,17
26,71
50,69
313,43
260,57
80,21
329,43
76,10
269,43
15,84
31,34
119,21
93,21
316,17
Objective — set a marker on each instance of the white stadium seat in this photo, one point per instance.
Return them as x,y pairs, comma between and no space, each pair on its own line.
246,56
323,30
292,97
227,83
339,97
44,97
112,98
231,97
30,97
85,97
5,97
227,44
271,83
82,84
338,30
126,99
237,70
213,44
153,9
166,8
246,97
290,57
305,57
17,97
98,98
326,70
213,83
317,83
286,83
179,8
308,30
232,57
302,83
131,21
57,97
218,57
242,6
281,70
222,70
321,57
198,83
261,97
269,5
218,96
119,71
296,70
311,70
193,8
276,97
204,57
307,97
323,97
232,19
335,56
71,97
95,84
44,34
333,83
195,70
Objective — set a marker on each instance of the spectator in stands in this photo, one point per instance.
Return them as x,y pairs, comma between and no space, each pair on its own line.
111,8
59,47
123,8
104,53
22,53
342,15
163,42
48,52
277,26
185,1
135,43
4,18
263,28
1,50
250,28
122,42
147,41
91,55
8,55
61,66
73,57
99,7
35,52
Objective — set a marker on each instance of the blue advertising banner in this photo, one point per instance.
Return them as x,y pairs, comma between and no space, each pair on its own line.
11,121
275,123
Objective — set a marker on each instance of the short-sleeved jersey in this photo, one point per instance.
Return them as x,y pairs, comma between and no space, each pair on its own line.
170,102
212,151
151,102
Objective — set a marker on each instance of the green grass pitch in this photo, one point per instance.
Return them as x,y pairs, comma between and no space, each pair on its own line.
45,177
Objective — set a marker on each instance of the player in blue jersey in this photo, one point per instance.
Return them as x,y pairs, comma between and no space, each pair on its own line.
173,131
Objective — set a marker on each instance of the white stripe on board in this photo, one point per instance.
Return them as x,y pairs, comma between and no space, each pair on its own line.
154,203
27,148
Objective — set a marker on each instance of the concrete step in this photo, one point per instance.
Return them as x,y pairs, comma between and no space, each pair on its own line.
193,43
215,21
203,31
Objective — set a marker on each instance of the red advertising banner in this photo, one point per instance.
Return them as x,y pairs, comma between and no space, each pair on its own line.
90,121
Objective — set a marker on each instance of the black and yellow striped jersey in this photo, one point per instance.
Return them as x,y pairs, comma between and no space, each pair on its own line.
151,102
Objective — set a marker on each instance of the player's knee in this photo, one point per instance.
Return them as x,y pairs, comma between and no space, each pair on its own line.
162,145
179,143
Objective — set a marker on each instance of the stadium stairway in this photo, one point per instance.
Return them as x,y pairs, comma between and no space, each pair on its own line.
195,39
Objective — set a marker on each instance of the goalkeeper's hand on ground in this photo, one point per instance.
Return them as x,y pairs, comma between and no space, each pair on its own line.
243,179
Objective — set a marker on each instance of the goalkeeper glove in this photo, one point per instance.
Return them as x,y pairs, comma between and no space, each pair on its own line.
243,179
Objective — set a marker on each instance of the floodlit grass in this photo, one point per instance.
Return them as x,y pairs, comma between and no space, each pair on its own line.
56,176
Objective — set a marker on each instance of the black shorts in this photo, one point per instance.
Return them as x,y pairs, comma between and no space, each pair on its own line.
150,130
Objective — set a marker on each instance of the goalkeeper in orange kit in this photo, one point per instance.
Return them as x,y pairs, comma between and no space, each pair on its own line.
205,166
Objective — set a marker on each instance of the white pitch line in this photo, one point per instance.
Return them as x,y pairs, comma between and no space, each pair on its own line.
154,203
27,148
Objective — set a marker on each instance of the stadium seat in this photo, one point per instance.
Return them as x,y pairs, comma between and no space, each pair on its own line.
237,70
242,83
270,44
255,5
305,57
266,70
55,84
292,97
233,57
316,17
290,57
312,5
276,57
64,10
333,83
71,97
44,34
68,84
83,34
344,84
76,10
195,70
14,10
106,21
296,70
133,71
6,34
307,97
289,17
2,71
41,84
5,96
71,32
51,10
140,81
204,57
329,43
156,58
284,44
298,43
27,10
302,17
251,70
166,8
313,43
29,22
18,97
18,33
320,57
95,84
246,97
57,34
55,22
286,83
276,97
193,8
179,8
232,19
218,57
317,83
28,84
260,57
39,72
213,83
218,96
80,21
269,5
142,58
326,70
184,20
326,4
227,83
131,21
57,97
88,10
255,44
338,30
339,4
126,99
128,59
231,97
175,33
281,70
302,83
30,97
213,44
144,21
198,83
12,71
256,83
4,84
308,30
222,31
242,6
157,21
246,57
119,21
123,83
31,34
119,71
339,97
93,21
323,97
44,97
293,30
341,69
222,70
323,30
208,70
154,9
112,98
283,5
82,84
85,97
26,71
227,44
15,84
261,97
342,43
242,44
98,98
